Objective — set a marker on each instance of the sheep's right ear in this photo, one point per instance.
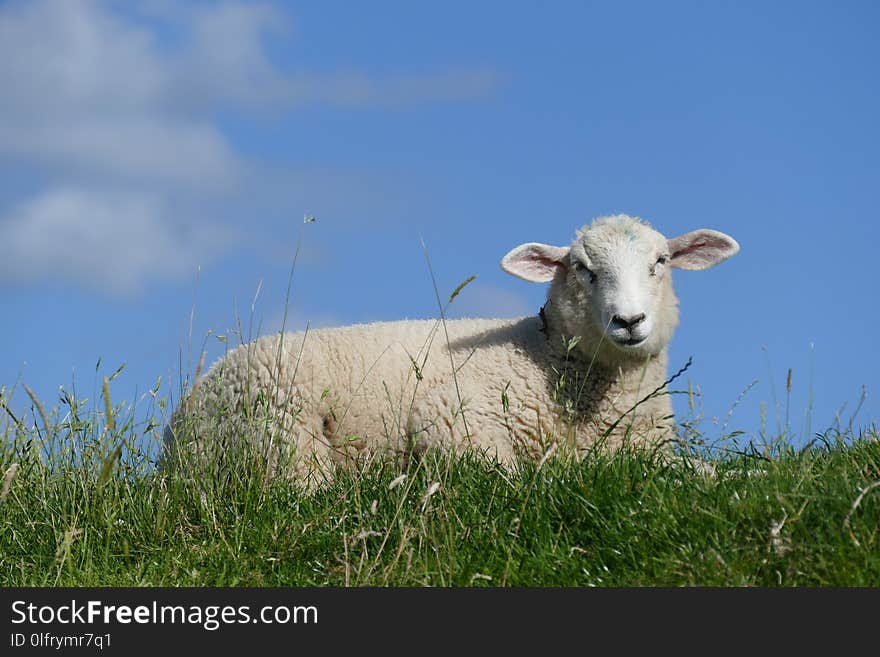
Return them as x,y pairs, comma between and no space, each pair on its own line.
536,263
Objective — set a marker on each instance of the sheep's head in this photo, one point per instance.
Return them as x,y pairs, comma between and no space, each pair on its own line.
612,283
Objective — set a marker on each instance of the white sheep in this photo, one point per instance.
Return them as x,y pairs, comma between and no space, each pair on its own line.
315,401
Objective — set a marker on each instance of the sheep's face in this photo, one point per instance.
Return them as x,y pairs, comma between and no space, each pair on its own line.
613,283
619,270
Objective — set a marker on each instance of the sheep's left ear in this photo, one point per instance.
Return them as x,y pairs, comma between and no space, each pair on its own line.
701,249
536,263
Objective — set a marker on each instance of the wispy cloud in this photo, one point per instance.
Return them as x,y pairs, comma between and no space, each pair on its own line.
111,240
84,88
144,148
101,102
358,90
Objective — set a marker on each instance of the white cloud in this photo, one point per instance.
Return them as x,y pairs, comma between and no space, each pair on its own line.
101,99
159,152
63,56
225,57
114,241
241,73
84,88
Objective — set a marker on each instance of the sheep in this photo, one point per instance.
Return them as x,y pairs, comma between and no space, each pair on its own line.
580,372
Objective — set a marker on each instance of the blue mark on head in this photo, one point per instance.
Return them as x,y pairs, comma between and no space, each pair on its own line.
631,236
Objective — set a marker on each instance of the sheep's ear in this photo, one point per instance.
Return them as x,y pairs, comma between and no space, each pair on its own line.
536,263
701,249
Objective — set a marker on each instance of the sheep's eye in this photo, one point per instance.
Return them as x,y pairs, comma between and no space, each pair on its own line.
579,266
660,261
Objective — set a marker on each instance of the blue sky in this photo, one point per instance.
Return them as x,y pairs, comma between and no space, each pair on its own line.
157,159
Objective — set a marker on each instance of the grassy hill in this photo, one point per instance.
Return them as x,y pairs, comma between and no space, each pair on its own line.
83,504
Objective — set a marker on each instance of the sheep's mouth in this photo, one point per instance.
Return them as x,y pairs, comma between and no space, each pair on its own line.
629,342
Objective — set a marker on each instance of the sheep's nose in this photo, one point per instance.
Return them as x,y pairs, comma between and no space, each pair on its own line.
629,323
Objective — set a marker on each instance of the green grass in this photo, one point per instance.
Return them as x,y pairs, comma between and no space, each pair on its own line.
85,506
